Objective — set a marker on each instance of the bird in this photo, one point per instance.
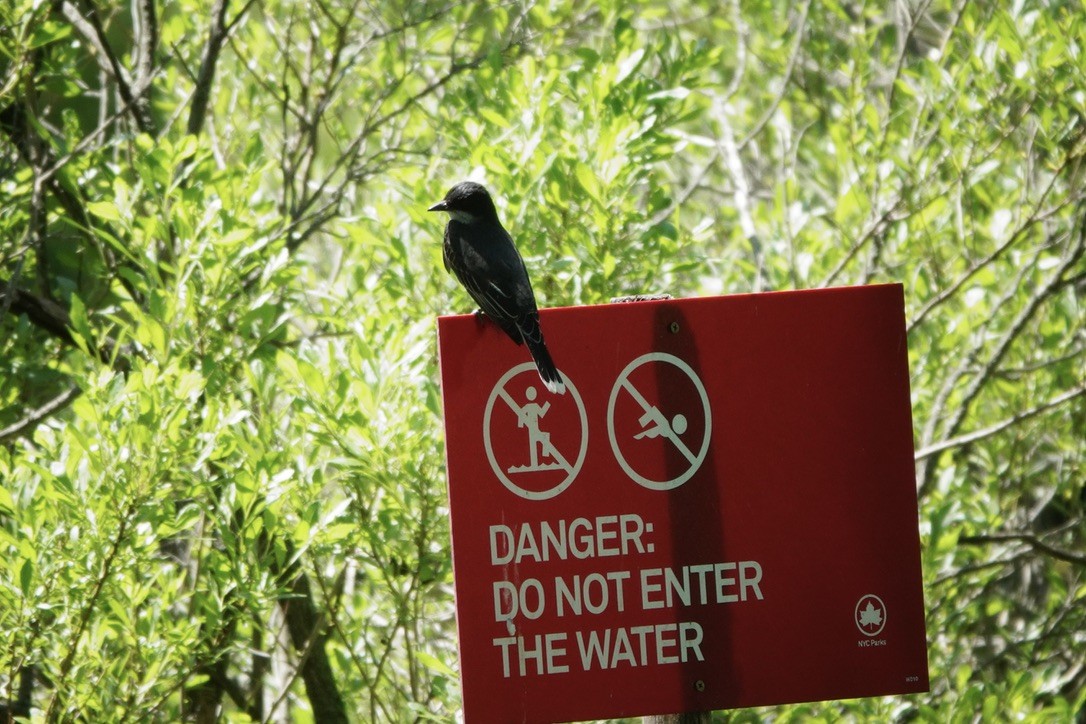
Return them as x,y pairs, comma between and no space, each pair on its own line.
480,253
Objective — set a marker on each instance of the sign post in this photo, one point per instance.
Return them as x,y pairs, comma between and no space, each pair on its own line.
719,512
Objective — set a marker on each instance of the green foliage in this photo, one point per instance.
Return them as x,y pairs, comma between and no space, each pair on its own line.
220,428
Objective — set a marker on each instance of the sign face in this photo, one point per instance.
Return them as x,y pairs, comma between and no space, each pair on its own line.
720,511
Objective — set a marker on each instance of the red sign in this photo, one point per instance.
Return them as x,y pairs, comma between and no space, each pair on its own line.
719,512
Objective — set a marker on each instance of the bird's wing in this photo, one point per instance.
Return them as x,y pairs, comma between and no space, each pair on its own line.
497,303
489,267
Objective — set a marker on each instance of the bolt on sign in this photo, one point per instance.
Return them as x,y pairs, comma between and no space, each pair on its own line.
720,511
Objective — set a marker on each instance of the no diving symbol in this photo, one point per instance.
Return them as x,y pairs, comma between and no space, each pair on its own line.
540,452
658,419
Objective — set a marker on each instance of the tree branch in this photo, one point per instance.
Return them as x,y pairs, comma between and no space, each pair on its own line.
1054,282
14,124
729,152
1029,539
90,27
797,45
105,573
42,312
51,317
145,60
21,703
32,418
306,627
969,438
205,77
951,290
217,36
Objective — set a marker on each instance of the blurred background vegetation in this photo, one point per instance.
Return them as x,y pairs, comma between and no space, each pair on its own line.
223,490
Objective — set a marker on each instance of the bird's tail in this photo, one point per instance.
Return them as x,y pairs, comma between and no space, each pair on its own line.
532,335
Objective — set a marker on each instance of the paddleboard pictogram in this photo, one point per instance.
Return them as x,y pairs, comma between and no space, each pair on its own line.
535,440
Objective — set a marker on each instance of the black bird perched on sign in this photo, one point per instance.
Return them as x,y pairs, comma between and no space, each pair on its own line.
480,253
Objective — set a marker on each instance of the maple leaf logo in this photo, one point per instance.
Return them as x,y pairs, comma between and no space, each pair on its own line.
871,616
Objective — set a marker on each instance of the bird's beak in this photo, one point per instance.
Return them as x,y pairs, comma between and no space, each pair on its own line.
439,206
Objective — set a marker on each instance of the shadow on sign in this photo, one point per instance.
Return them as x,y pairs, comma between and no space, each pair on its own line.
690,507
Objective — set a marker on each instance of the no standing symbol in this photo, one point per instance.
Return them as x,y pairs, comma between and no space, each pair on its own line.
536,441
659,410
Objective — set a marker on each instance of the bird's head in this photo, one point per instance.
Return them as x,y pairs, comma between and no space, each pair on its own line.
467,202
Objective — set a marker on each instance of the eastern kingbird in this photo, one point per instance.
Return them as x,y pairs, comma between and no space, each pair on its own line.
480,253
